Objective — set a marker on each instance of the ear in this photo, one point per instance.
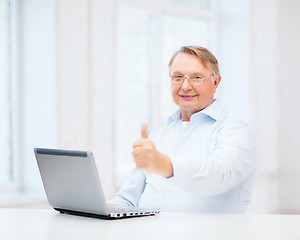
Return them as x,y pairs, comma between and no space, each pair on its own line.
217,81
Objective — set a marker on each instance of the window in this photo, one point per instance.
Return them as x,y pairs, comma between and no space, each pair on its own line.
148,33
133,98
6,161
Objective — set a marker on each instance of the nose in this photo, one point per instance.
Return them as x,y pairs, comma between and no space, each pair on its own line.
186,86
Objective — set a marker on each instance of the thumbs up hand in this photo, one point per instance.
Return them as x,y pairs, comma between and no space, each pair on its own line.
147,158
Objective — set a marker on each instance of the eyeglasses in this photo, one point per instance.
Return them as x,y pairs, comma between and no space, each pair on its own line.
194,80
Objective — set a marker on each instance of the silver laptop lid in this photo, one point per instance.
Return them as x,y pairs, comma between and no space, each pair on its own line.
71,180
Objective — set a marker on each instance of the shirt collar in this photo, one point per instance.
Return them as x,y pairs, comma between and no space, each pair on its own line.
214,110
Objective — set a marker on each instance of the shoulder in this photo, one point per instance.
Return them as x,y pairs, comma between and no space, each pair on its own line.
228,121
230,129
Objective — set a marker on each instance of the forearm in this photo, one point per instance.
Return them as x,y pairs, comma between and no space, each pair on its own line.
131,190
217,174
164,166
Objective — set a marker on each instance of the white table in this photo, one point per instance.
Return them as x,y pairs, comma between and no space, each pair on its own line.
49,224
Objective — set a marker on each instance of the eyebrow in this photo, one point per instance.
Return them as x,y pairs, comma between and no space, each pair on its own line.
192,74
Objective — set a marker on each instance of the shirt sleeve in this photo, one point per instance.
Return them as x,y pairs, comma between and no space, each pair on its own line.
132,189
231,161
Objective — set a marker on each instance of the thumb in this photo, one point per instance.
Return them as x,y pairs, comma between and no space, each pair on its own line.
144,131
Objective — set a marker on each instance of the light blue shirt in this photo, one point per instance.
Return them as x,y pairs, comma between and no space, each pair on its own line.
214,160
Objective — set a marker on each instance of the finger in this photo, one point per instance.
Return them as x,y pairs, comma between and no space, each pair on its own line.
140,143
141,165
136,152
144,133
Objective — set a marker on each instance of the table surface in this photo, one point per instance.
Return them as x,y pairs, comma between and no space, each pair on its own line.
49,224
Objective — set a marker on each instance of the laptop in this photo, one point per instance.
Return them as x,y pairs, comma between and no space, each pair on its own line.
72,185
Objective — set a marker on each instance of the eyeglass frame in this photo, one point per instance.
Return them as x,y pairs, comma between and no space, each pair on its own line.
189,79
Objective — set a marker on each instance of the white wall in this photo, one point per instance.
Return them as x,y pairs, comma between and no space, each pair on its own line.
85,78
264,101
274,85
289,110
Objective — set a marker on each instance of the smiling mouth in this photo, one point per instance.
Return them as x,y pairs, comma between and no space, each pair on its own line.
187,96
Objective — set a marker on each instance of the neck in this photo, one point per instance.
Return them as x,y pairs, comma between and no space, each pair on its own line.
187,113
186,117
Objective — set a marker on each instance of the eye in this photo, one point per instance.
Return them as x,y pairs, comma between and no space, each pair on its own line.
178,76
196,77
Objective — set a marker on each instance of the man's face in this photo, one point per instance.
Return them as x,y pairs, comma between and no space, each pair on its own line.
192,98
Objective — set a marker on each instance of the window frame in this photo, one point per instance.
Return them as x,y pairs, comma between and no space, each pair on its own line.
29,116
14,86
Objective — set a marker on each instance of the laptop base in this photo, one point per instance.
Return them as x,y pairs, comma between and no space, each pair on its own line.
94,215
